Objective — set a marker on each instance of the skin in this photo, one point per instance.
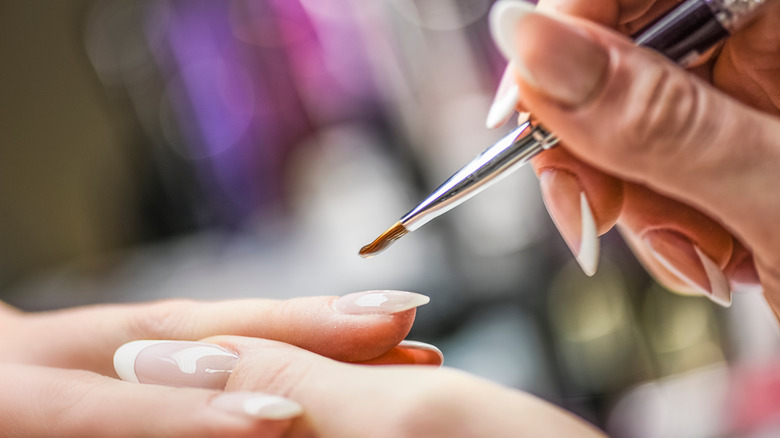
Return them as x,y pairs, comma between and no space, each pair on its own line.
695,159
345,401
58,380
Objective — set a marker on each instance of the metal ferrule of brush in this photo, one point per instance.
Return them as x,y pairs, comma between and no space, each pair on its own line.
512,151
732,13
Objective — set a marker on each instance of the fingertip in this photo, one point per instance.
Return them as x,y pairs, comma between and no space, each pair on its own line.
688,263
604,193
363,337
583,203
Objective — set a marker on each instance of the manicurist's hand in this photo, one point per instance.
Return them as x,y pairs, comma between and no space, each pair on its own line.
57,375
357,401
686,163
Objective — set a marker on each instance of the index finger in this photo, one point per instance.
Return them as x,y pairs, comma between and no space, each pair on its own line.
355,327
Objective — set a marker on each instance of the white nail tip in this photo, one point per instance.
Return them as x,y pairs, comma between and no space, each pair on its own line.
271,408
417,345
505,101
719,285
588,255
503,15
124,358
257,405
678,273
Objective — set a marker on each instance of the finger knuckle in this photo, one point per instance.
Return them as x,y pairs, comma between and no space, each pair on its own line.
270,369
162,320
663,119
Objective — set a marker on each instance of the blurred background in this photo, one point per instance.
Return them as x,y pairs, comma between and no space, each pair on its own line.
217,149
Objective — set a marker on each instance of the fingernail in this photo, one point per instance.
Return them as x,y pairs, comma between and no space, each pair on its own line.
505,101
688,262
379,302
257,405
422,353
719,284
570,211
550,55
175,363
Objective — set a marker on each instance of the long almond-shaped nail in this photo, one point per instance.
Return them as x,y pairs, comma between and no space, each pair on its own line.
505,101
175,363
558,59
257,405
719,284
379,302
570,211
422,353
686,261
409,353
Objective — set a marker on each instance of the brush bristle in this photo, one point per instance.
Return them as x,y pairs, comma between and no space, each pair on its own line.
384,240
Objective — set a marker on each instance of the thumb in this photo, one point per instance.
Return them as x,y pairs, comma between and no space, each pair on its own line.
635,115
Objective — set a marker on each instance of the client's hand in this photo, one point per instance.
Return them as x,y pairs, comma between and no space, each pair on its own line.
356,401
56,367
686,171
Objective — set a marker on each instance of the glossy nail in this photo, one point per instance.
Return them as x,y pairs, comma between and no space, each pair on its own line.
558,59
409,353
505,101
379,302
175,363
421,353
686,261
257,405
720,290
570,211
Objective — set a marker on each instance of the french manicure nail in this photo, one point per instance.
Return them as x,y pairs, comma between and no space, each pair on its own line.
175,363
570,211
719,284
688,262
505,101
257,405
379,302
423,353
558,59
